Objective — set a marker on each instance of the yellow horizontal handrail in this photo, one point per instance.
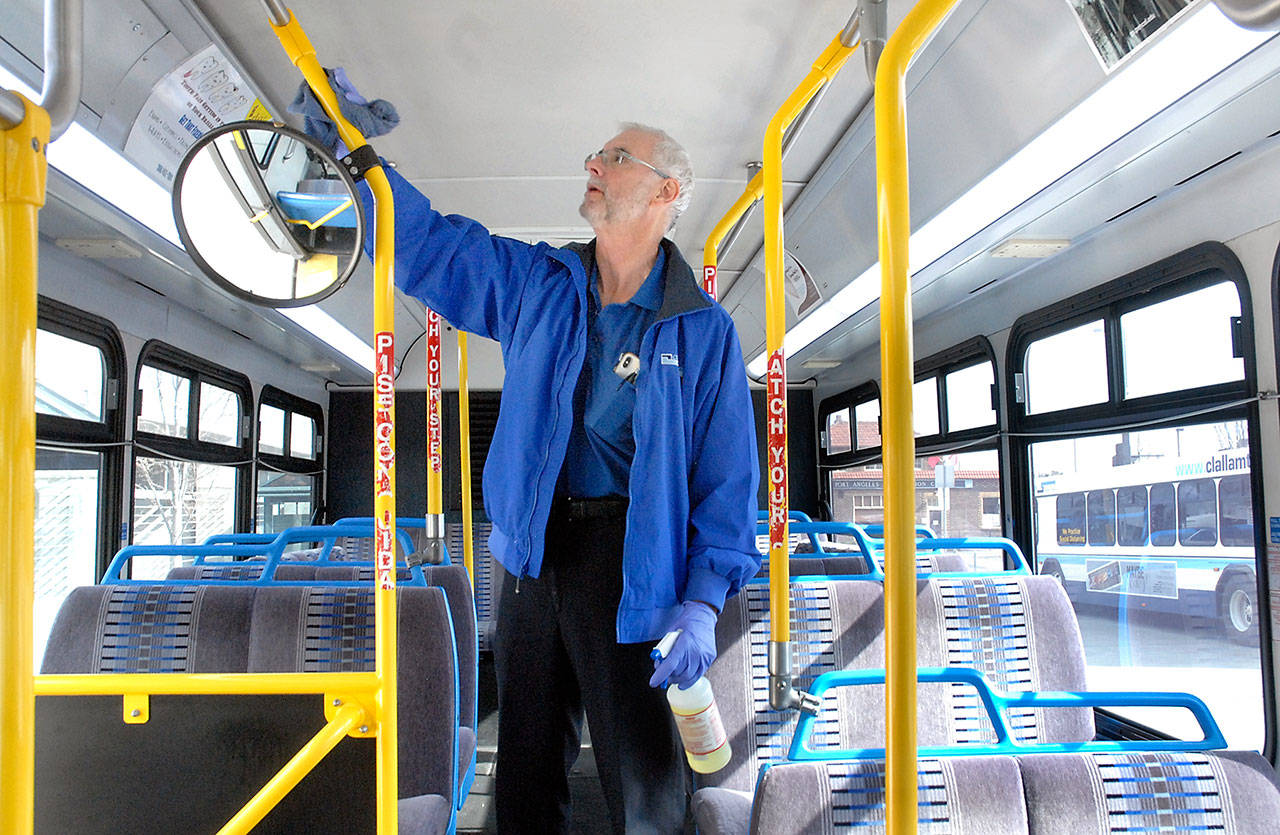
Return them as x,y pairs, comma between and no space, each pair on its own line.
203,684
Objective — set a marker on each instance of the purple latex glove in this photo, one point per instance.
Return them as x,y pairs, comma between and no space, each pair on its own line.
694,648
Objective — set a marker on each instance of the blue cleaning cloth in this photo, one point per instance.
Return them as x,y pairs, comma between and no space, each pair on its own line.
371,118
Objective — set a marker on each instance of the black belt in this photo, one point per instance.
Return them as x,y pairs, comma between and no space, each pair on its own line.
578,510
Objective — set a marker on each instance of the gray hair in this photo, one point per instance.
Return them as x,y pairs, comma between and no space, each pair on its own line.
671,157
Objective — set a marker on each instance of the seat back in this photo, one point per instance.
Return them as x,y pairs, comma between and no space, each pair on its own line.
151,629
1019,630
1220,791
956,794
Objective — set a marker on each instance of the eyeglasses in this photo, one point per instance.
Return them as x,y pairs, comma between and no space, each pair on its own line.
616,156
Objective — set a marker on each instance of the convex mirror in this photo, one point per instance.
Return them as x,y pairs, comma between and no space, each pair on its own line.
268,214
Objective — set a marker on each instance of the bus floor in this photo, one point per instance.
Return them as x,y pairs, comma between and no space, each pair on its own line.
477,815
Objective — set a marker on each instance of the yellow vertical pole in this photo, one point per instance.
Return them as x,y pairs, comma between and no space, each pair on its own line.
303,55
23,168
435,456
896,372
824,69
464,444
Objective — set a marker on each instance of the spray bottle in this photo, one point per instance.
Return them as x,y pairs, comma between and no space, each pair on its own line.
697,718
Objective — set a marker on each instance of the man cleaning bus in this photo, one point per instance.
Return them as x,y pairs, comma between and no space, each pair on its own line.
621,480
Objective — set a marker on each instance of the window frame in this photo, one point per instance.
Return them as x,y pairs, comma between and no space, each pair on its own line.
106,437
197,370
315,466
985,438
1194,268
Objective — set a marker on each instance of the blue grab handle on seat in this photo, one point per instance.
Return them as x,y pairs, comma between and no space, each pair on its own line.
996,704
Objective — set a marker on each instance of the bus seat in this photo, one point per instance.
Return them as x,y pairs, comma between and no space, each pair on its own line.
152,629
328,629
956,794
1018,630
457,588
1220,791
291,572
217,571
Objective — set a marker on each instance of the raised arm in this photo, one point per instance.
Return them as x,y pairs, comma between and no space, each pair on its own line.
473,279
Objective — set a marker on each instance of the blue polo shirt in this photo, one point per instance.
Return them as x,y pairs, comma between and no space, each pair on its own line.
601,446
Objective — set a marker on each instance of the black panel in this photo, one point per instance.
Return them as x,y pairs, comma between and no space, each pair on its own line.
192,766
802,451
350,486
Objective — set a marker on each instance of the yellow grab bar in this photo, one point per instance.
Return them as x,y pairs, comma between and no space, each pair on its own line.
22,190
896,373
303,55
464,447
824,69
203,684
435,500
346,719
711,252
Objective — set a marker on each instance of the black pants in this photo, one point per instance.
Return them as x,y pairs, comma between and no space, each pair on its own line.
556,654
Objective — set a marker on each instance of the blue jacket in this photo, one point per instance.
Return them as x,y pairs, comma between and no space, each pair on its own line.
692,513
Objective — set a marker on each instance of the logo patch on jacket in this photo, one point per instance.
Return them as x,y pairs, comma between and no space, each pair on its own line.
670,359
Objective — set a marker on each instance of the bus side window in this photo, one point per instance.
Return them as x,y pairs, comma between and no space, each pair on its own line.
1070,508
1198,512
1164,526
1131,515
1235,509
1102,517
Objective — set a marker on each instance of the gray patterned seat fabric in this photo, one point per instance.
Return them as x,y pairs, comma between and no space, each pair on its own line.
1081,794
974,795
331,629
217,571
1019,630
151,629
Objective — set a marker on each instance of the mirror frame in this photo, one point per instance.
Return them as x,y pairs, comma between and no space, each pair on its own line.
214,275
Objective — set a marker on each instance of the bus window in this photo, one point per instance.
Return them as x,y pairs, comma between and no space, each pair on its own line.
1156,616
1102,517
165,398
1164,521
1131,516
1235,511
924,407
1071,519
969,397
302,435
289,438
839,438
1067,369
1198,512
270,429
1202,354
69,377
866,417
219,415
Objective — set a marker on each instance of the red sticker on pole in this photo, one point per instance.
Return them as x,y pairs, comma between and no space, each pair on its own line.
709,280
433,390
384,400
776,413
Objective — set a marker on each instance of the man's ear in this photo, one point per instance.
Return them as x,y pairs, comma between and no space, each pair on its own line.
669,192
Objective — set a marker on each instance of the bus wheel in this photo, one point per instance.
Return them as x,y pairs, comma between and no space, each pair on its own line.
1239,610
1054,570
